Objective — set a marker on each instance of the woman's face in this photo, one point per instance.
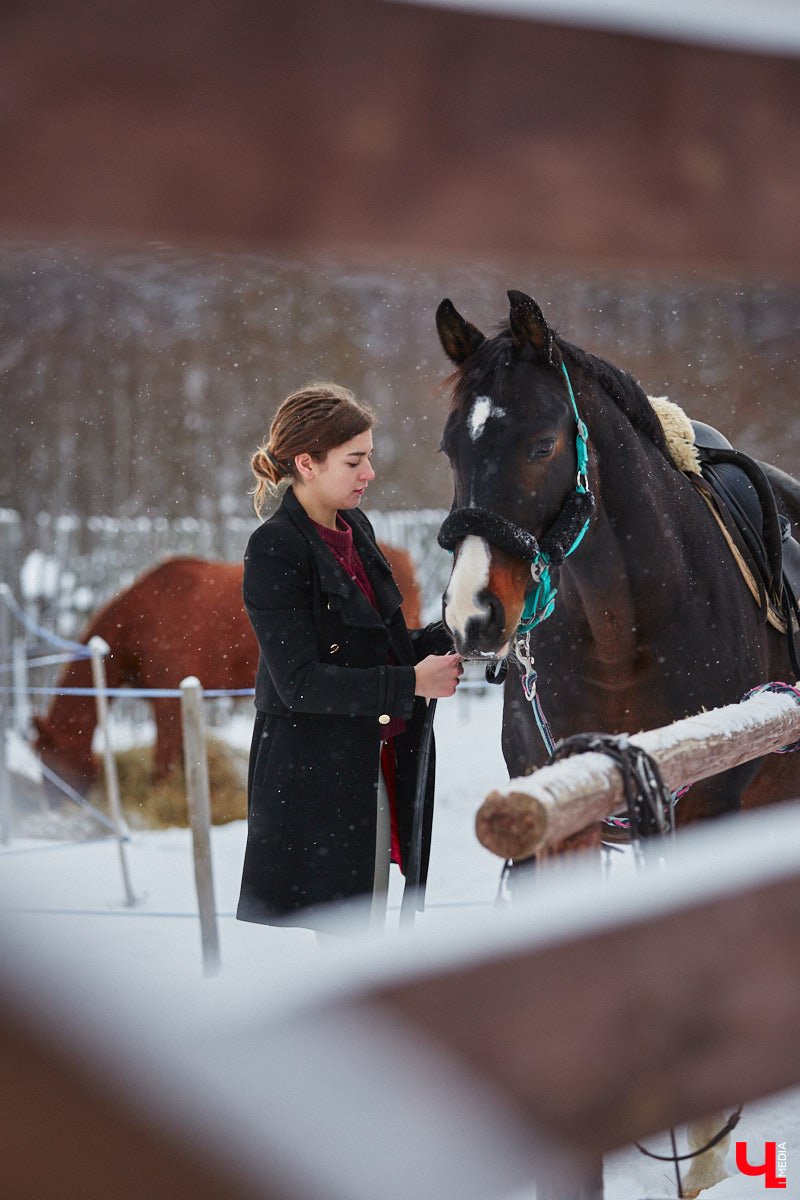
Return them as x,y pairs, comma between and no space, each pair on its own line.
341,480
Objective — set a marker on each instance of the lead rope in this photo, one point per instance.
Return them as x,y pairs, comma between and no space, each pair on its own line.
651,814
525,656
647,798
675,1158
540,604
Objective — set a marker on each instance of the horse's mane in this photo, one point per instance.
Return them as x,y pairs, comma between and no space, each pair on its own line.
621,387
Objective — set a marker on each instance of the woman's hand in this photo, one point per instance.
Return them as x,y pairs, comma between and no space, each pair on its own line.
437,676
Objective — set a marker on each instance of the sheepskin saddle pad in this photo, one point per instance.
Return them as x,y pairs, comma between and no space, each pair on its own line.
742,493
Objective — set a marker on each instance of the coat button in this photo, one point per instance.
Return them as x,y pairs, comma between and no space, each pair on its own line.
334,648
384,719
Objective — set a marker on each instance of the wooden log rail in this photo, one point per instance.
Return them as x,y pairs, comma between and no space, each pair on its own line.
537,811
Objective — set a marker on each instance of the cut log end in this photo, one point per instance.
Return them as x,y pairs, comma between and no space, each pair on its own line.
510,824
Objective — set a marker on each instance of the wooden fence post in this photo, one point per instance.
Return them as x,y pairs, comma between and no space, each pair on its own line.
195,760
22,702
99,649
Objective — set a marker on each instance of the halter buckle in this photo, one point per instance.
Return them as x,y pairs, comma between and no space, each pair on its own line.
522,649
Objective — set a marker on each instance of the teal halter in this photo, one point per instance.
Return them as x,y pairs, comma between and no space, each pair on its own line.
563,537
540,603
556,545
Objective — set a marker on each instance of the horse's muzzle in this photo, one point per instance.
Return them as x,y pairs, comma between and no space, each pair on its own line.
485,586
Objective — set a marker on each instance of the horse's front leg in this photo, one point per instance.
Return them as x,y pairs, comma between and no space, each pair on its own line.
716,796
169,737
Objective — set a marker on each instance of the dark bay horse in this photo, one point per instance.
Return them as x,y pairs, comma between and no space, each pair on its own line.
648,618
184,617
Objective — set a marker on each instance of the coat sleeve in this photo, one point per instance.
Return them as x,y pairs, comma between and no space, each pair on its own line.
278,596
433,639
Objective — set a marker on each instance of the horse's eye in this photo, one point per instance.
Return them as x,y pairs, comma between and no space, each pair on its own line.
542,449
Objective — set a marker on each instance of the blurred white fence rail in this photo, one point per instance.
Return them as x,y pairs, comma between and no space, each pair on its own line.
583,1017
531,813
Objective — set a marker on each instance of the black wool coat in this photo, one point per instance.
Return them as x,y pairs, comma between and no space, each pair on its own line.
324,689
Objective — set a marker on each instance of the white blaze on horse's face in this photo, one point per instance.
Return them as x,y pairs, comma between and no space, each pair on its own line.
483,407
468,583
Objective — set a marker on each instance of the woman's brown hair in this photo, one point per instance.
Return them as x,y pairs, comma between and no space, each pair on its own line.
312,421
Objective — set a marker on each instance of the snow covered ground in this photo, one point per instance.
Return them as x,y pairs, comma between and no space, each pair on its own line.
65,900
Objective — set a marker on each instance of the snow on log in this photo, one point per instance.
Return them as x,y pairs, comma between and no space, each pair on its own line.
531,813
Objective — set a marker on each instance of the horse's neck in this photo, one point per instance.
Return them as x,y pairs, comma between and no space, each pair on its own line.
634,547
72,718
596,589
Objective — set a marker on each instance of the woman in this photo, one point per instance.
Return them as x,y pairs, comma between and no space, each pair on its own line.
342,685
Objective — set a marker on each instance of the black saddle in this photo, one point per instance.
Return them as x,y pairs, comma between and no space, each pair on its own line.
744,493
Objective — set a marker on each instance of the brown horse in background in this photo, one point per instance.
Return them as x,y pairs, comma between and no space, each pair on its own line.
184,617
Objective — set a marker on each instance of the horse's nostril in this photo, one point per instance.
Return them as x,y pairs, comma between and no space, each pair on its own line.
484,632
495,613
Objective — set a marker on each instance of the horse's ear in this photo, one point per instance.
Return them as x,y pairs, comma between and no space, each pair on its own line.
459,339
528,326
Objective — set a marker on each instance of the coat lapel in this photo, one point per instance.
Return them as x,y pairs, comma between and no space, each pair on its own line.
387,594
379,573
353,606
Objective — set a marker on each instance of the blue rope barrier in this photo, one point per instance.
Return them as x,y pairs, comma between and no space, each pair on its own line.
130,693
77,798
78,649
42,660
